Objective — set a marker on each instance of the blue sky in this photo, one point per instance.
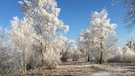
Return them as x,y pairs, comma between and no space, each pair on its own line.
74,13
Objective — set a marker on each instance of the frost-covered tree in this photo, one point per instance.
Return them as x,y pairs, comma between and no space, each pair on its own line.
129,49
8,57
84,43
37,31
116,54
2,57
99,36
128,54
9,61
46,23
131,42
21,35
124,54
64,45
51,58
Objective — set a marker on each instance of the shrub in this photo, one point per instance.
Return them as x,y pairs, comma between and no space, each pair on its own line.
117,58
66,56
129,56
77,55
9,62
51,59
123,55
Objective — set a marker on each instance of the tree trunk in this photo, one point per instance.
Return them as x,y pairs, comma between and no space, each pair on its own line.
101,52
88,58
35,58
23,63
101,58
42,61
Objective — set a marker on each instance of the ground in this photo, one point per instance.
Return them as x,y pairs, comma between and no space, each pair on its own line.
75,68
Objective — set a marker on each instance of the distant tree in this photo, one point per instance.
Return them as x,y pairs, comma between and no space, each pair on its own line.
86,44
131,42
125,53
99,36
128,54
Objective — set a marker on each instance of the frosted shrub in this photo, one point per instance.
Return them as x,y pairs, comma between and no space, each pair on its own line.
66,55
124,54
129,56
116,58
117,55
77,55
9,62
51,59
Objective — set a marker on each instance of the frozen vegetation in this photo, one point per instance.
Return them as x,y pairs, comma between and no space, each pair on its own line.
36,45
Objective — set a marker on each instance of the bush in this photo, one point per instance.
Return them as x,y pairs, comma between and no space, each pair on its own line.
115,59
129,56
9,62
66,56
51,59
123,55
77,55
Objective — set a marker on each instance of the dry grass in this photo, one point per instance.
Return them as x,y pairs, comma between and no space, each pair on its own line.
69,70
65,69
77,69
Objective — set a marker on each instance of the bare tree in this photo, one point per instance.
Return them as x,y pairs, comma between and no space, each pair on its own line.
130,12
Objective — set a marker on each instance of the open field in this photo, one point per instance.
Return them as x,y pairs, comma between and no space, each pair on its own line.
87,69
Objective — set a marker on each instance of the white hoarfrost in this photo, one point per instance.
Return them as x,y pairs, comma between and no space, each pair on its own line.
123,54
8,57
97,39
64,45
21,35
37,31
51,58
128,54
